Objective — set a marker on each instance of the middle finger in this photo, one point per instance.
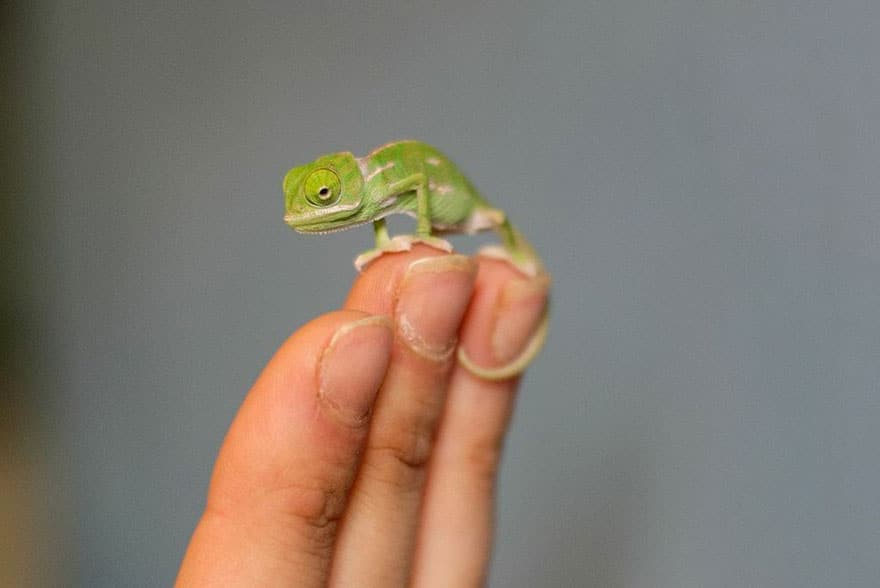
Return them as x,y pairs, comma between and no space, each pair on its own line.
426,294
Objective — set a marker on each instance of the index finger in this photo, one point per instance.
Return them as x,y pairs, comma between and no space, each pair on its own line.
281,480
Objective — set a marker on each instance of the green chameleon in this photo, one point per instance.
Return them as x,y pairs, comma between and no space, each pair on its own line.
340,191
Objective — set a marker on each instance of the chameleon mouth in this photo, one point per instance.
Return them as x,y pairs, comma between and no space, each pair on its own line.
306,225
308,231
314,221
318,227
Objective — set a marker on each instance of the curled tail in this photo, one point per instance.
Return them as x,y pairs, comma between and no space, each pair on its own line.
517,251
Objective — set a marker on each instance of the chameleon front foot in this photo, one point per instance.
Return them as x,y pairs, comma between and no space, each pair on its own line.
398,244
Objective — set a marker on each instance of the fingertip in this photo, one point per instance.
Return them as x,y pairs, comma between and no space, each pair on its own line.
307,343
352,367
376,288
505,313
521,305
432,299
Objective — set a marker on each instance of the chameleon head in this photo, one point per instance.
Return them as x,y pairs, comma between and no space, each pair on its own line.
323,195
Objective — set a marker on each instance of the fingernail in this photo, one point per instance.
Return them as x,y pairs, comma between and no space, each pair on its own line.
353,366
433,297
520,308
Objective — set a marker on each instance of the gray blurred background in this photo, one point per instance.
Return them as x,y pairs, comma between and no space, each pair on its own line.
703,179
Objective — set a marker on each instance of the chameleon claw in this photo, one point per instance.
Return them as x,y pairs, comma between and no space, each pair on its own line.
515,367
398,244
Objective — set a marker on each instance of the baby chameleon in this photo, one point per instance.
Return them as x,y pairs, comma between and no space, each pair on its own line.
340,191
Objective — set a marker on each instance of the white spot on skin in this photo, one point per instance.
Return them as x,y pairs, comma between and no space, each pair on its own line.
433,161
441,189
362,165
482,219
378,171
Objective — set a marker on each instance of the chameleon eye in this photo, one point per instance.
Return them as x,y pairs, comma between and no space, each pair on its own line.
323,188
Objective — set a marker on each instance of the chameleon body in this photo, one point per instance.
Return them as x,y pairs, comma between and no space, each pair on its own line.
340,191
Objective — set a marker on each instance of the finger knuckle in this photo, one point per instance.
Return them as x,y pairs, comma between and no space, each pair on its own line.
482,457
314,507
401,456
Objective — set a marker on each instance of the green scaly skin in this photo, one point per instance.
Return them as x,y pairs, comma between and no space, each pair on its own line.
340,191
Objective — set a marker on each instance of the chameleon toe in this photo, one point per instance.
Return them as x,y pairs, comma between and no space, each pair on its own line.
435,242
395,245
398,244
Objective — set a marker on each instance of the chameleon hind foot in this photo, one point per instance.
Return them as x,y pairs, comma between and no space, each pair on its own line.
527,265
398,244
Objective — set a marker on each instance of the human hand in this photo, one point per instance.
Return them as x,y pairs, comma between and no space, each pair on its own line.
364,455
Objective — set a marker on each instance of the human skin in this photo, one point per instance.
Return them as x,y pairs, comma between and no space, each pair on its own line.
364,455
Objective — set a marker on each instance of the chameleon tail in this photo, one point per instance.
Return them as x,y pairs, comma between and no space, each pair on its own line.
517,251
